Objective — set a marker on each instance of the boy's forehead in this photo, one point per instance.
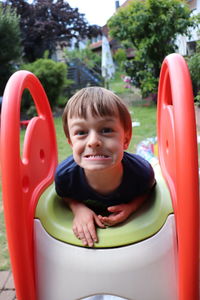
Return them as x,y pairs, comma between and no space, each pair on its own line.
96,119
89,113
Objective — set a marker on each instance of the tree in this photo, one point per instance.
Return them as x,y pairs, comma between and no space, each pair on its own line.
120,58
10,49
44,23
152,27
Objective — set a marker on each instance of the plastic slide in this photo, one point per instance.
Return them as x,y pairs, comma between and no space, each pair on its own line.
158,244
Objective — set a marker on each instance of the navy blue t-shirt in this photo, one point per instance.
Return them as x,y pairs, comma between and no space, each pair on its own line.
138,178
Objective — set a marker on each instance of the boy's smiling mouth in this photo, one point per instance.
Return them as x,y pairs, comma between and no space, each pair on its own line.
96,156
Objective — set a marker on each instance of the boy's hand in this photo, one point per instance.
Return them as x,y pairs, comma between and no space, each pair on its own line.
119,214
84,224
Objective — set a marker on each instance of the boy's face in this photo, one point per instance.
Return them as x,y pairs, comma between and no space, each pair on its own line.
98,143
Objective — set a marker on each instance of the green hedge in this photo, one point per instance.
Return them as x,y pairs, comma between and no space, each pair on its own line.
53,76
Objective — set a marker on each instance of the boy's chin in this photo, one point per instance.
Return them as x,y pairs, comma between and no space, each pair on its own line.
96,168
101,168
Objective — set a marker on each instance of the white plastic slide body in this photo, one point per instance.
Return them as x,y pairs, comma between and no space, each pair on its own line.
143,271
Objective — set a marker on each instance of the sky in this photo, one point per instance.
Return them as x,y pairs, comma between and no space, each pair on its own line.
96,11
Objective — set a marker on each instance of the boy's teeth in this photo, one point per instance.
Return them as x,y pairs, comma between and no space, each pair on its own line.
94,156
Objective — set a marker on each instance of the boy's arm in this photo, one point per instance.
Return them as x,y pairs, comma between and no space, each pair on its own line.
120,213
84,222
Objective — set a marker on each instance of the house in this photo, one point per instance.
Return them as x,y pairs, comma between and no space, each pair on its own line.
97,45
114,45
187,45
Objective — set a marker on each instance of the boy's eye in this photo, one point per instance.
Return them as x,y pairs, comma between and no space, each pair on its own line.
81,132
107,130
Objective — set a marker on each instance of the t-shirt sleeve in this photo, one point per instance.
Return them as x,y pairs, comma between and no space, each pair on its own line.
63,178
140,176
147,176
59,186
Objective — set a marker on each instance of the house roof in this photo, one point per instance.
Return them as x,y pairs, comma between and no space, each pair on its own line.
125,3
98,44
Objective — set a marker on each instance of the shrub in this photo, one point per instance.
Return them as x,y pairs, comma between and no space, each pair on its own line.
120,58
194,67
142,77
52,76
148,84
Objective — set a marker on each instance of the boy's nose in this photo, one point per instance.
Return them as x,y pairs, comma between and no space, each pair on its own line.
94,140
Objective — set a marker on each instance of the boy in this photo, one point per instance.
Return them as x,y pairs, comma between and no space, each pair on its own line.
101,183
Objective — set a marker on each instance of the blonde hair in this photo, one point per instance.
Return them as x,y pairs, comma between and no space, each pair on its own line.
100,102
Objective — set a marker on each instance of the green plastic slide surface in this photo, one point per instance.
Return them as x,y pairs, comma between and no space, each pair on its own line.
56,218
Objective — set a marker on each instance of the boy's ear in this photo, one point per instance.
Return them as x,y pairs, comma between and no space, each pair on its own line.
69,141
127,139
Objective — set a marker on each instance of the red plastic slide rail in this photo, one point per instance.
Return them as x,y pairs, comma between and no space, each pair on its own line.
25,176
178,155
